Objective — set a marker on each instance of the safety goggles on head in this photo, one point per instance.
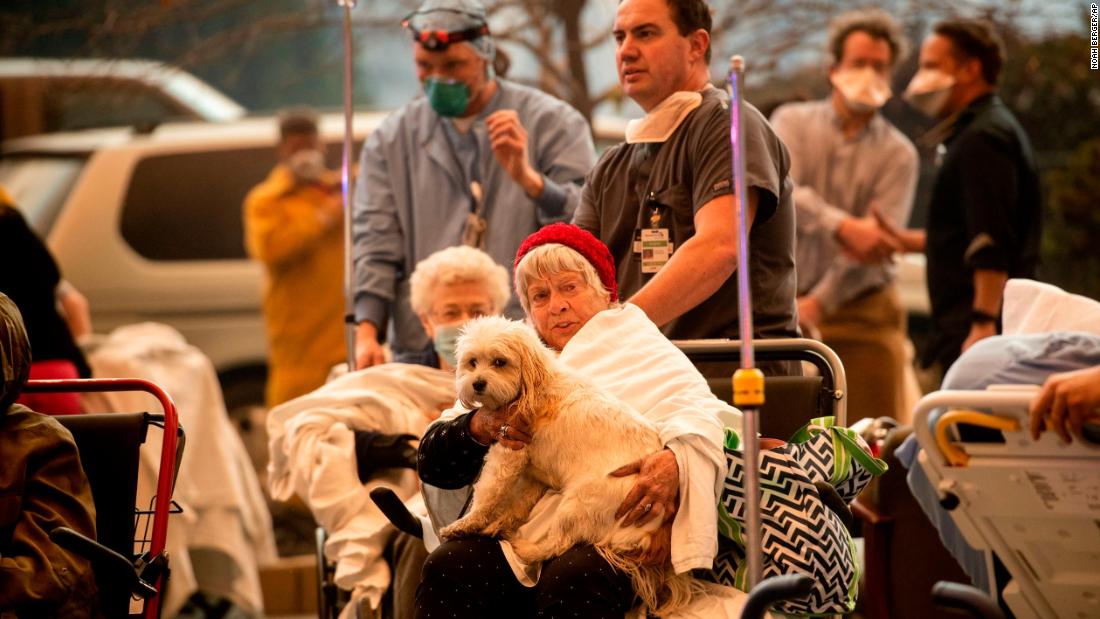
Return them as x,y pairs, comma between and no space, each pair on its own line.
439,40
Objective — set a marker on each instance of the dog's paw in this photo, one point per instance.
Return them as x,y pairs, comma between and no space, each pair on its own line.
461,528
497,528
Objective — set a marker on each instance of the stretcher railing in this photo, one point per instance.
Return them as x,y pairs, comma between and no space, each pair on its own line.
1033,503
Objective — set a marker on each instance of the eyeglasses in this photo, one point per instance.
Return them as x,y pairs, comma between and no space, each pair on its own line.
451,314
439,40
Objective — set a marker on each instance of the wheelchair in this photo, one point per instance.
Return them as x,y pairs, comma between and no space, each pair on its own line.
129,556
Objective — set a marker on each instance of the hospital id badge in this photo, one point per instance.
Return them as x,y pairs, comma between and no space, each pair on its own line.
655,247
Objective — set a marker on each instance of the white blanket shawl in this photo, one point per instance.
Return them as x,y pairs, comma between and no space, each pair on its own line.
624,353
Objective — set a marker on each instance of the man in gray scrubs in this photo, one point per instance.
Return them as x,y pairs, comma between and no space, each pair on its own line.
663,202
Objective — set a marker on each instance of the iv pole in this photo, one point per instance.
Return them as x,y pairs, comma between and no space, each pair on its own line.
347,187
748,382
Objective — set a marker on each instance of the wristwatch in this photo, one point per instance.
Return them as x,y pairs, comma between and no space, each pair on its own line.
977,315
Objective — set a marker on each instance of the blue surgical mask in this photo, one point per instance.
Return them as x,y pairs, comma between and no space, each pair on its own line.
445,340
448,98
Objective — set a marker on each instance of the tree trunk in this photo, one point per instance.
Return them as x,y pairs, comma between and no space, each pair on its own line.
569,12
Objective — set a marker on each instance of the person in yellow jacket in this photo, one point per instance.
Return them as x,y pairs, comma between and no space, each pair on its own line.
293,224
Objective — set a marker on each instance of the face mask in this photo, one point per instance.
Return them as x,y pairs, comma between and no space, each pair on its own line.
446,337
308,166
929,91
863,90
448,98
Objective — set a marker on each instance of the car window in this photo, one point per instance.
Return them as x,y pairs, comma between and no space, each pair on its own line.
39,185
66,104
88,104
188,206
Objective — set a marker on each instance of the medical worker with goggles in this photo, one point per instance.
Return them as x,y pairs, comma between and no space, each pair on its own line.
477,160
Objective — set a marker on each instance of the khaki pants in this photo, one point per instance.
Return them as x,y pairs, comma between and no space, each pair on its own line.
868,334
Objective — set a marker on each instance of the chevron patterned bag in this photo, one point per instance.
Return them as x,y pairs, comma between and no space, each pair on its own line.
799,533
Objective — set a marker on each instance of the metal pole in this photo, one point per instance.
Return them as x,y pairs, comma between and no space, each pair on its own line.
748,382
347,187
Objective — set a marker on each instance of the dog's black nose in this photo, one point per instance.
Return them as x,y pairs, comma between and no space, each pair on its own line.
479,385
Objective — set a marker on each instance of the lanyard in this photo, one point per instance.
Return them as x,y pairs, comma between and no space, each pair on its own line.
471,176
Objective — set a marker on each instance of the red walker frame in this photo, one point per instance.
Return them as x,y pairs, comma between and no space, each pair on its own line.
166,473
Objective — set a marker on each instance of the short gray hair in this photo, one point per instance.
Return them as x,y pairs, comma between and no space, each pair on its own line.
878,24
551,259
455,265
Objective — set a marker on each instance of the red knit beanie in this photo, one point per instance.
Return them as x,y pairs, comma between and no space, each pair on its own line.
581,241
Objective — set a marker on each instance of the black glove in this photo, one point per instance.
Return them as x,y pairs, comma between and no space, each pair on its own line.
375,451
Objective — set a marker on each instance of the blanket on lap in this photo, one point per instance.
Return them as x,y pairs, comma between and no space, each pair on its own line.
312,447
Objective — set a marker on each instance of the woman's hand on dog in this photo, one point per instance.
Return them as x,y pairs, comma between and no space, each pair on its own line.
486,426
658,487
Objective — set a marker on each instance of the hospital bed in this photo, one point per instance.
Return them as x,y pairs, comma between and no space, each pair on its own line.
1035,504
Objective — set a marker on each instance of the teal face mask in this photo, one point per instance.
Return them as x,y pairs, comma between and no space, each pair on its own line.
445,340
448,98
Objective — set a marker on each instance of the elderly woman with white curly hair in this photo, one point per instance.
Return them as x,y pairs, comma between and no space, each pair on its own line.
450,287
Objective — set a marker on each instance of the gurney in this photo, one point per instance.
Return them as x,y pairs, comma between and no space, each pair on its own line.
1035,504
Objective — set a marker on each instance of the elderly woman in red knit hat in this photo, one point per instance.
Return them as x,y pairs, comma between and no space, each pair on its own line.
565,280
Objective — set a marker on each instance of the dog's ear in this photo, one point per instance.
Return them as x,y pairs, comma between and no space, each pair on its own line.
534,371
467,340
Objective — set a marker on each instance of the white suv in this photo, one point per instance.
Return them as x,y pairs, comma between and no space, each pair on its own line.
148,227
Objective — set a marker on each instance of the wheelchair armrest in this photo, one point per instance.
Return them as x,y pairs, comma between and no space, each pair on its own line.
103,559
868,514
775,589
964,597
396,512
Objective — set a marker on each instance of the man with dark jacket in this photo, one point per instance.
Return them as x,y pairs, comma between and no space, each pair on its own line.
984,215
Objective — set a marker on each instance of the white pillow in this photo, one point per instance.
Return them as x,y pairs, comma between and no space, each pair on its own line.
1035,307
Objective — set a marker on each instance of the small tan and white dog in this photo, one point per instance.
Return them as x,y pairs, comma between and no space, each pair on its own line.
579,435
